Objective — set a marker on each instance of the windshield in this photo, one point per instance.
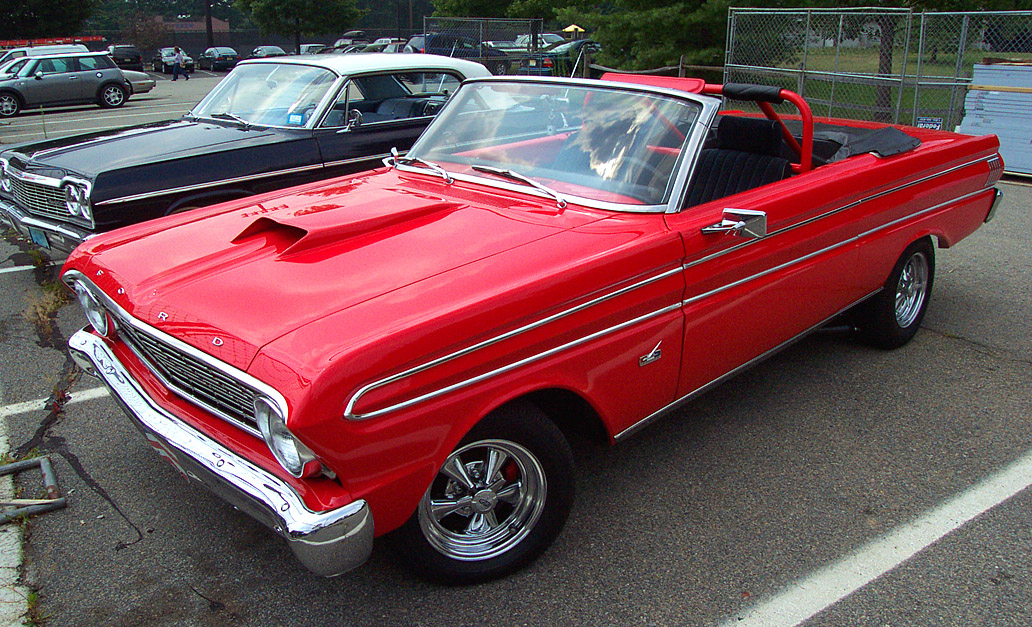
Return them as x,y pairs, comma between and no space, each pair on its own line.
268,94
597,143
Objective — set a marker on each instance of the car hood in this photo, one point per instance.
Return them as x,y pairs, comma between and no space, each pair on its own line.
115,149
247,273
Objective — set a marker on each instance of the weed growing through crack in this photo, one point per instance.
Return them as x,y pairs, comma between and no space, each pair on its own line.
34,615
43,308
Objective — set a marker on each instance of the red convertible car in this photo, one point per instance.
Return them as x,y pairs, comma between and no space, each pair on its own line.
402,351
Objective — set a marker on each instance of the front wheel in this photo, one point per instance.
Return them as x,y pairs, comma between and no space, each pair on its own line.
499,68
891,318
112,96
497,503
9,105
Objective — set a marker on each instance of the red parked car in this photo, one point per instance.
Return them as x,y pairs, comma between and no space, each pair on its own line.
402,350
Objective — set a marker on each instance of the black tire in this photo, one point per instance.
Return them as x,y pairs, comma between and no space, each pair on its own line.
112,96
499,68
891,318
518,487
10,104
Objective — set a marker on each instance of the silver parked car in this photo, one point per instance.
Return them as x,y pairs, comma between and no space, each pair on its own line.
64,79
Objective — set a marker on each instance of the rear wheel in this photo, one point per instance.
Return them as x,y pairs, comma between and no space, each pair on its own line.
498,502
892,317
9,105
112,96
499,68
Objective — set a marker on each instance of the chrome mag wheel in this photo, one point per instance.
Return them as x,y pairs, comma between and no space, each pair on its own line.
486,499
912,289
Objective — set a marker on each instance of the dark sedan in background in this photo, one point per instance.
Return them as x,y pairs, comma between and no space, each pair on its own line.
218,58
269,124
126,57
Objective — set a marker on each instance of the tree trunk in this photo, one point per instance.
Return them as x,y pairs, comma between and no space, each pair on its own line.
297,35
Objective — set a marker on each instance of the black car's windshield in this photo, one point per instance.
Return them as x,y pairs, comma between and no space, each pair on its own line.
268,94
600,143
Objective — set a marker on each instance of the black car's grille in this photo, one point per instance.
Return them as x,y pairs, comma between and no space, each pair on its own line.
193,379
41,200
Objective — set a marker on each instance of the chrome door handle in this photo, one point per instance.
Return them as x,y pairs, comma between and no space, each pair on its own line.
740,222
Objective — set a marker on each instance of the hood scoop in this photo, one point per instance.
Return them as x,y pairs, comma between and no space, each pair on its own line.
300,233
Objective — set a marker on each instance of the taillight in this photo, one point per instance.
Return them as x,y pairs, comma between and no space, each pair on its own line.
546,62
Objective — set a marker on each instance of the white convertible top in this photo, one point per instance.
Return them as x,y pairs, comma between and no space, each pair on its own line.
358,63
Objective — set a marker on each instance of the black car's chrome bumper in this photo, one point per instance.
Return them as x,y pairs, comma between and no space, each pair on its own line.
59,237
328,543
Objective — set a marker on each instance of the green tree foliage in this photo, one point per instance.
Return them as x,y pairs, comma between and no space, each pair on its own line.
301,17
27,19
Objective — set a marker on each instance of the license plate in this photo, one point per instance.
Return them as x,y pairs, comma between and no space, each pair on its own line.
39,238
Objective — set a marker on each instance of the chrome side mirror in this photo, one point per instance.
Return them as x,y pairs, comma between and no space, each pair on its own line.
354,120
740,222
39,75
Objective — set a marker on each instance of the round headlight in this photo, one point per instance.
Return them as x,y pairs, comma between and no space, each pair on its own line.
291,454
73,199
95,313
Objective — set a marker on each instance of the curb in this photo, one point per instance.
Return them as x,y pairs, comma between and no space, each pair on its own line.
13,597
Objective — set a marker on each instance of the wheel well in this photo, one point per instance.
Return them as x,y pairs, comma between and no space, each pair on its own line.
574,416
103,86
16,95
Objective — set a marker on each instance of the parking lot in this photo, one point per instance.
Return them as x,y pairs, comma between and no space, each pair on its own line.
167,100
833,484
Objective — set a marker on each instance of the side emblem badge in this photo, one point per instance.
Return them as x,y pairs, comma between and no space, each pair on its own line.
653,355
217,341
163,316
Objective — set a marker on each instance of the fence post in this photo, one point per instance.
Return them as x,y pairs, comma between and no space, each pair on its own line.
920,62
903,68
680,67
961,49
587,63
801,84
834,79
731,18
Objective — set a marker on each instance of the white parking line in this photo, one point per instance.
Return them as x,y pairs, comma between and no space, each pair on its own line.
13,598
16,269
39,404
810,596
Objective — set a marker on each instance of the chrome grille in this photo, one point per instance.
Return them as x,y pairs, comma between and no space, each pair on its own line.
193,379
41,200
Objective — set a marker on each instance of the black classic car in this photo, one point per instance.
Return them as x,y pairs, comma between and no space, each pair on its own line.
269,124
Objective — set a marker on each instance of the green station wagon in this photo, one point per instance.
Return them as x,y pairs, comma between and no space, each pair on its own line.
63,79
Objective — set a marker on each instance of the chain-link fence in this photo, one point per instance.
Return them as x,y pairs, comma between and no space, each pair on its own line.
503,46
890,65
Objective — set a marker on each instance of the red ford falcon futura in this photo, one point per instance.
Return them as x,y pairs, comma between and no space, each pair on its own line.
401,351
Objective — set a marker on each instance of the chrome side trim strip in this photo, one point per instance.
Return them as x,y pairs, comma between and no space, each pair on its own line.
851,240
752,362
845,207
357,160
244,378
191,188
502,370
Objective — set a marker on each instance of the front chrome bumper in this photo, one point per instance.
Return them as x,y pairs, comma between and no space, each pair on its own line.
328,543
62,238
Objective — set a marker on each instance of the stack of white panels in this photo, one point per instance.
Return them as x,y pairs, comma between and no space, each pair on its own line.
1000,102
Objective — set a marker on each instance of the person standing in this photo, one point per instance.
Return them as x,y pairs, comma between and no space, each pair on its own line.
179,64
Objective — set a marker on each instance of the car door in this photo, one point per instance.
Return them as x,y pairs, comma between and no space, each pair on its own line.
53,80
391,110
91,73
750,293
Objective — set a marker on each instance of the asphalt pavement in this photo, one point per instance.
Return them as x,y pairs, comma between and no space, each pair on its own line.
831,485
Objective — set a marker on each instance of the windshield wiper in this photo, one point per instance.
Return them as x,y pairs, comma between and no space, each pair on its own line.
231,116
560,202
433,167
